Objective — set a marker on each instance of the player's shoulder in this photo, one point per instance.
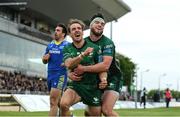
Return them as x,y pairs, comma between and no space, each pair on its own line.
89,43
106,39
68,45
87,39
65,42
51,43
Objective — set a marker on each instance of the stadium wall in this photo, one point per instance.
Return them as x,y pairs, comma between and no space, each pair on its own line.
20,51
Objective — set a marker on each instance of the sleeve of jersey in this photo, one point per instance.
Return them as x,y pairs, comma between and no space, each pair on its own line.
108,49
66,53
47,50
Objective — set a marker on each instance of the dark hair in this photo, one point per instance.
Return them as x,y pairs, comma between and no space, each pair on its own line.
64,28
97,15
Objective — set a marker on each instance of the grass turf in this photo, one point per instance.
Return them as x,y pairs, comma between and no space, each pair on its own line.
155,112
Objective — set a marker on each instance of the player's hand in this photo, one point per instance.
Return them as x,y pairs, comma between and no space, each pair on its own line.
88,51
103,83
46,57
74,77
79,70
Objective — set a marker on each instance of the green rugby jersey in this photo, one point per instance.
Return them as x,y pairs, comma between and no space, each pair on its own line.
108,49
71,51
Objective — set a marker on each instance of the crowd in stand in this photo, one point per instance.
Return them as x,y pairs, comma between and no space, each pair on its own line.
18,83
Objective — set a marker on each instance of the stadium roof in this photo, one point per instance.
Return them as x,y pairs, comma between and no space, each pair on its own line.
54,11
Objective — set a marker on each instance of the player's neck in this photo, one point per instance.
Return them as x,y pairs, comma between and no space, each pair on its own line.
79,44
94,37
58,41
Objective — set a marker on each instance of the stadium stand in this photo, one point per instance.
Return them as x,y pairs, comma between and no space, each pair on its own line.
17,83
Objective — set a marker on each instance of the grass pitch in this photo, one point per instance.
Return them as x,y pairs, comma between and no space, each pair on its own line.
155,112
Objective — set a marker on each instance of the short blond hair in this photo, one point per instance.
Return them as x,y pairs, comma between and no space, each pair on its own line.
73,21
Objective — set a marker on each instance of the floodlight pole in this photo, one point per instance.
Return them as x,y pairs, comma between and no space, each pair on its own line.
159,80
141,86
136,95
136,89
111,29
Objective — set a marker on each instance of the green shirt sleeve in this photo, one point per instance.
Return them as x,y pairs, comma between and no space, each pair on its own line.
66,53
108,48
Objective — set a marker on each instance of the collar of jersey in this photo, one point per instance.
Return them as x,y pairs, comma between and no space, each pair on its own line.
57,42
80,47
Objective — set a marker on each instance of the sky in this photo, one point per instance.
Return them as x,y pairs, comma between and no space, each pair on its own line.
149,35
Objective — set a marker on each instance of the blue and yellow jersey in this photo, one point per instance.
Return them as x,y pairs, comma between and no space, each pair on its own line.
56,55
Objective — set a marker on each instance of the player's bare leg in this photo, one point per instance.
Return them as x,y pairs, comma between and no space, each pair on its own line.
108,101
69,98
93,111
54,99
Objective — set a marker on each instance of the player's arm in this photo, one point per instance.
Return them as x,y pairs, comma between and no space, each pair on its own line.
103,66
45,58
73,76
99,67
103,80
71,63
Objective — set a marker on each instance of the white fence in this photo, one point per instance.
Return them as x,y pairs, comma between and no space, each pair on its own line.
41,103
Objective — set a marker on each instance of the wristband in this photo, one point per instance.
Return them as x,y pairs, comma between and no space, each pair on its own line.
82,54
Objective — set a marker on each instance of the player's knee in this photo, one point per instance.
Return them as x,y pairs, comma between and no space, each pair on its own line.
106,111
94,113
64,105
53,103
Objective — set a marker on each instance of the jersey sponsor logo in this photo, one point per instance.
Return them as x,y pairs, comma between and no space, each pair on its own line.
99,52
54,52
108,46
55,83
96,100
90,56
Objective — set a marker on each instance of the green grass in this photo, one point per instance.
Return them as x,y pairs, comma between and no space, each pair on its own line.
156,112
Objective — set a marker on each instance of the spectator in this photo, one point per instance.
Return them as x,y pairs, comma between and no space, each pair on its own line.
18,83
143,97
168,97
